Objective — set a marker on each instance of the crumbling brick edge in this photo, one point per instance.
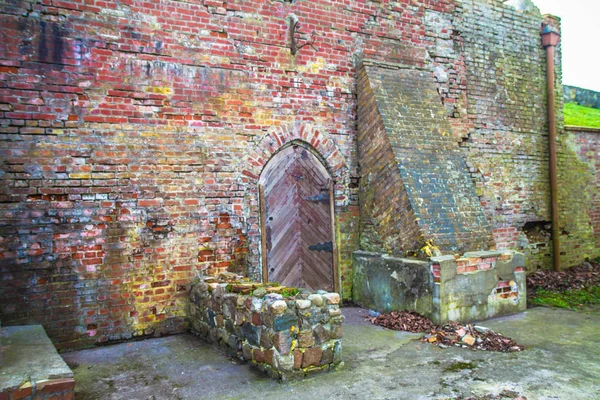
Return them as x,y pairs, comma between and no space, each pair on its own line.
287,338
57,389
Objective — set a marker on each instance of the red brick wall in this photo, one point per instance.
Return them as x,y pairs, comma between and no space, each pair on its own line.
133,134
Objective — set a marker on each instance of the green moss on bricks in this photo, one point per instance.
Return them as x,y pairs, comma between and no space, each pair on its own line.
576,186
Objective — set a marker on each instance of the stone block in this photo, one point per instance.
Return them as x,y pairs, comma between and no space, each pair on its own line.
266,338
279,307
269,354
312,357
336,332
298,355
303,304
322,334
337,353
327,357
283,342
251,333
332,298
285,322
258,356
247,352
316,299
306,338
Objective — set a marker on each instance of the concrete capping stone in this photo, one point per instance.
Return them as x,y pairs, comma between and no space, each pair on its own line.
390,65
441,259
573,128
36,370
371,254
488,253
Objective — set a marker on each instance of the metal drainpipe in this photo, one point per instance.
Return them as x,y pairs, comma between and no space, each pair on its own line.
550,40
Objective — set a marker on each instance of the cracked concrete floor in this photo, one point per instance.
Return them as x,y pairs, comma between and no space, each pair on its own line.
562,361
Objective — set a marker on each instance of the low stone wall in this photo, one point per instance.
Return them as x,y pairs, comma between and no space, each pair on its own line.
286,337
475,286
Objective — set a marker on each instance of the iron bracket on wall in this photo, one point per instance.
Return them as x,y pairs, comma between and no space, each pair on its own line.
294,35
327,247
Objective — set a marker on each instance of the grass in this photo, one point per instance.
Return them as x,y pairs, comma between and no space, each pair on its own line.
571,299
576,115
289,292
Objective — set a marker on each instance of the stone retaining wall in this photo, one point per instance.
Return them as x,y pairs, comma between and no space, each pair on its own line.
284,337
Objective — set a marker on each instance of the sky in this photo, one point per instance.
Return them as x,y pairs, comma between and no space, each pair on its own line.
581,52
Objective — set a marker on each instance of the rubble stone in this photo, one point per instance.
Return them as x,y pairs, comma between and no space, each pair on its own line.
268,333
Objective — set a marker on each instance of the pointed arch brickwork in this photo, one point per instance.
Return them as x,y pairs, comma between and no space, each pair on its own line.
322,145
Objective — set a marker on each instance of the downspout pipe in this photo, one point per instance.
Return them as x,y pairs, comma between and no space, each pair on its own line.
550,40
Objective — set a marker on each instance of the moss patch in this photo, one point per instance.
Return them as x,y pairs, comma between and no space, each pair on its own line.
570,299
459,366
576,115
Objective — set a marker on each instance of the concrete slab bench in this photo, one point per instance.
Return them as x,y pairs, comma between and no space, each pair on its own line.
31,367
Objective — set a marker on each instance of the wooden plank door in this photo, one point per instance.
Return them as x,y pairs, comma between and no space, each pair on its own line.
296,221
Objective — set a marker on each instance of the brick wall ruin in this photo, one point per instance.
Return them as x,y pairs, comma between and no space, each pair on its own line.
134,132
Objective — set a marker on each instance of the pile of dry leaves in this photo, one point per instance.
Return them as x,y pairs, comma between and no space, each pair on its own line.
451,334
403,321
576,278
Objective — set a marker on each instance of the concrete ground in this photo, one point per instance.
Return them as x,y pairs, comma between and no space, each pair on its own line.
562,361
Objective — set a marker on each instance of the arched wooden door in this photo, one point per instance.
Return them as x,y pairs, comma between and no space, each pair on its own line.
296,195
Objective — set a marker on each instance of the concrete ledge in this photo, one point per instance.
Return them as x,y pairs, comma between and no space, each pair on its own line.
479,285
476,286
386,283
586,129
31,366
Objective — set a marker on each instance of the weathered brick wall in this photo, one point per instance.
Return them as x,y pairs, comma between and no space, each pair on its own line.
387,221
133,134
426,163
585,142
489,65
501,123
506,143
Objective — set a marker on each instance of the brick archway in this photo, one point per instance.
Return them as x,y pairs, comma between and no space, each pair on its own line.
321,144
274,141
